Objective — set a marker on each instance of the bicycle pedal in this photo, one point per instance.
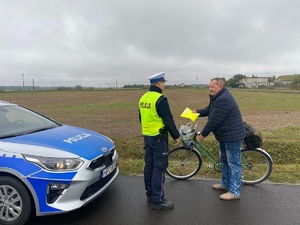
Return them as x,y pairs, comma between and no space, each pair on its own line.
209,166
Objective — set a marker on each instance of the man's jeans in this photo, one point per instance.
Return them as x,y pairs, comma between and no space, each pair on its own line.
231,166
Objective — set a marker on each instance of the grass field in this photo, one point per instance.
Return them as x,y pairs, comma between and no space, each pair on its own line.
274,114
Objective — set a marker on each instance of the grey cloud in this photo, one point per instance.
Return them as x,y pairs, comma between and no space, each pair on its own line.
99,43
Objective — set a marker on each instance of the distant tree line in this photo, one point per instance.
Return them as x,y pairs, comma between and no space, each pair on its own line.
134,86
232,82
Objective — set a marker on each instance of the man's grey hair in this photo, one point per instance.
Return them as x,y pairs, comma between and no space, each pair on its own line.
220,81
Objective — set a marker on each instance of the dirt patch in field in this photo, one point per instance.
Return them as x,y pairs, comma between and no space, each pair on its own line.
115,113
272,120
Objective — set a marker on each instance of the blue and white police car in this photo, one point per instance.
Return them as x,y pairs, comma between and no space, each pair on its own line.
47,167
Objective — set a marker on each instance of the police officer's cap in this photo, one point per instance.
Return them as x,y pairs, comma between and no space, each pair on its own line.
157,77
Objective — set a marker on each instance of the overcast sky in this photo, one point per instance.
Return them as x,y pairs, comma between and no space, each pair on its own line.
102,43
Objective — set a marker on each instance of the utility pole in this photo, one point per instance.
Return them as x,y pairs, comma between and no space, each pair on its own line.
33,84
23,81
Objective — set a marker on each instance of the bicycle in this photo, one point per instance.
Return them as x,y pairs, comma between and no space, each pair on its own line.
185,161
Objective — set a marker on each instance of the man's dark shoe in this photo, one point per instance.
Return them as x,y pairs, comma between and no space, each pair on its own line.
149,199
163,206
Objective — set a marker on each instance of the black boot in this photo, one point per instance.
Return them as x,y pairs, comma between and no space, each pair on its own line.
164,205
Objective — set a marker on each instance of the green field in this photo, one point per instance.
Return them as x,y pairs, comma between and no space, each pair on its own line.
274,114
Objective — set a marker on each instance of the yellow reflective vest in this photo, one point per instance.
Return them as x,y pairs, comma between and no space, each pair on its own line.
150,121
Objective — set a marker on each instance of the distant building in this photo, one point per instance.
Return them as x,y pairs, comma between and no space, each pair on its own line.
255,82
285,80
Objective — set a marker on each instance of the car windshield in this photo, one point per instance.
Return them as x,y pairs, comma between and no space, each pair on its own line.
16,120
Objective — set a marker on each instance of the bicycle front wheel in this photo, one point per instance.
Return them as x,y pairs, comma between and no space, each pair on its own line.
183,163
256,166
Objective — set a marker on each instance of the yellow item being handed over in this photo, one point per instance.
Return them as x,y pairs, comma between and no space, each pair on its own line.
187,113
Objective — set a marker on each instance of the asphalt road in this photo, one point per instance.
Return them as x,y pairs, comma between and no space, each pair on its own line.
124,203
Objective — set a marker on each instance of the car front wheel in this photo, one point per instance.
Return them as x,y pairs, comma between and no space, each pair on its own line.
15,203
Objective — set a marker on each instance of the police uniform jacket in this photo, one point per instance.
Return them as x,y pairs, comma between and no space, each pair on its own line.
224,118
163,111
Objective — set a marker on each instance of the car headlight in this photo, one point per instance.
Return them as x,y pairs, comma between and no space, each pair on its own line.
56,164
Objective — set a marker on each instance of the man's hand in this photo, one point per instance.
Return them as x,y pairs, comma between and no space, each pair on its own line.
176,141
201,138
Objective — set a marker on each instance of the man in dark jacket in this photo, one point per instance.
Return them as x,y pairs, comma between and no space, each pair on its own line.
156,121
226,123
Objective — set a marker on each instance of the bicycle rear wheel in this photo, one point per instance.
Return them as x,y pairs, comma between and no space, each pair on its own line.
183,163
256,166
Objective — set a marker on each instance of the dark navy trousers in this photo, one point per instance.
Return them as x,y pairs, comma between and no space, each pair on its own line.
156,163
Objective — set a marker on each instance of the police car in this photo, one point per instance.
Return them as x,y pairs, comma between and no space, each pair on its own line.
47,167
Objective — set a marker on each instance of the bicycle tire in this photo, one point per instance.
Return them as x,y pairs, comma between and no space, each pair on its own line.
256,166
184,163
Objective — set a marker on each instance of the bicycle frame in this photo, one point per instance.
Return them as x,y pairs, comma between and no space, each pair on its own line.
204,151
194,143
186,160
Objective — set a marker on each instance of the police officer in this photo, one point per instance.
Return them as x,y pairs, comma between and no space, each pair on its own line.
156,121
